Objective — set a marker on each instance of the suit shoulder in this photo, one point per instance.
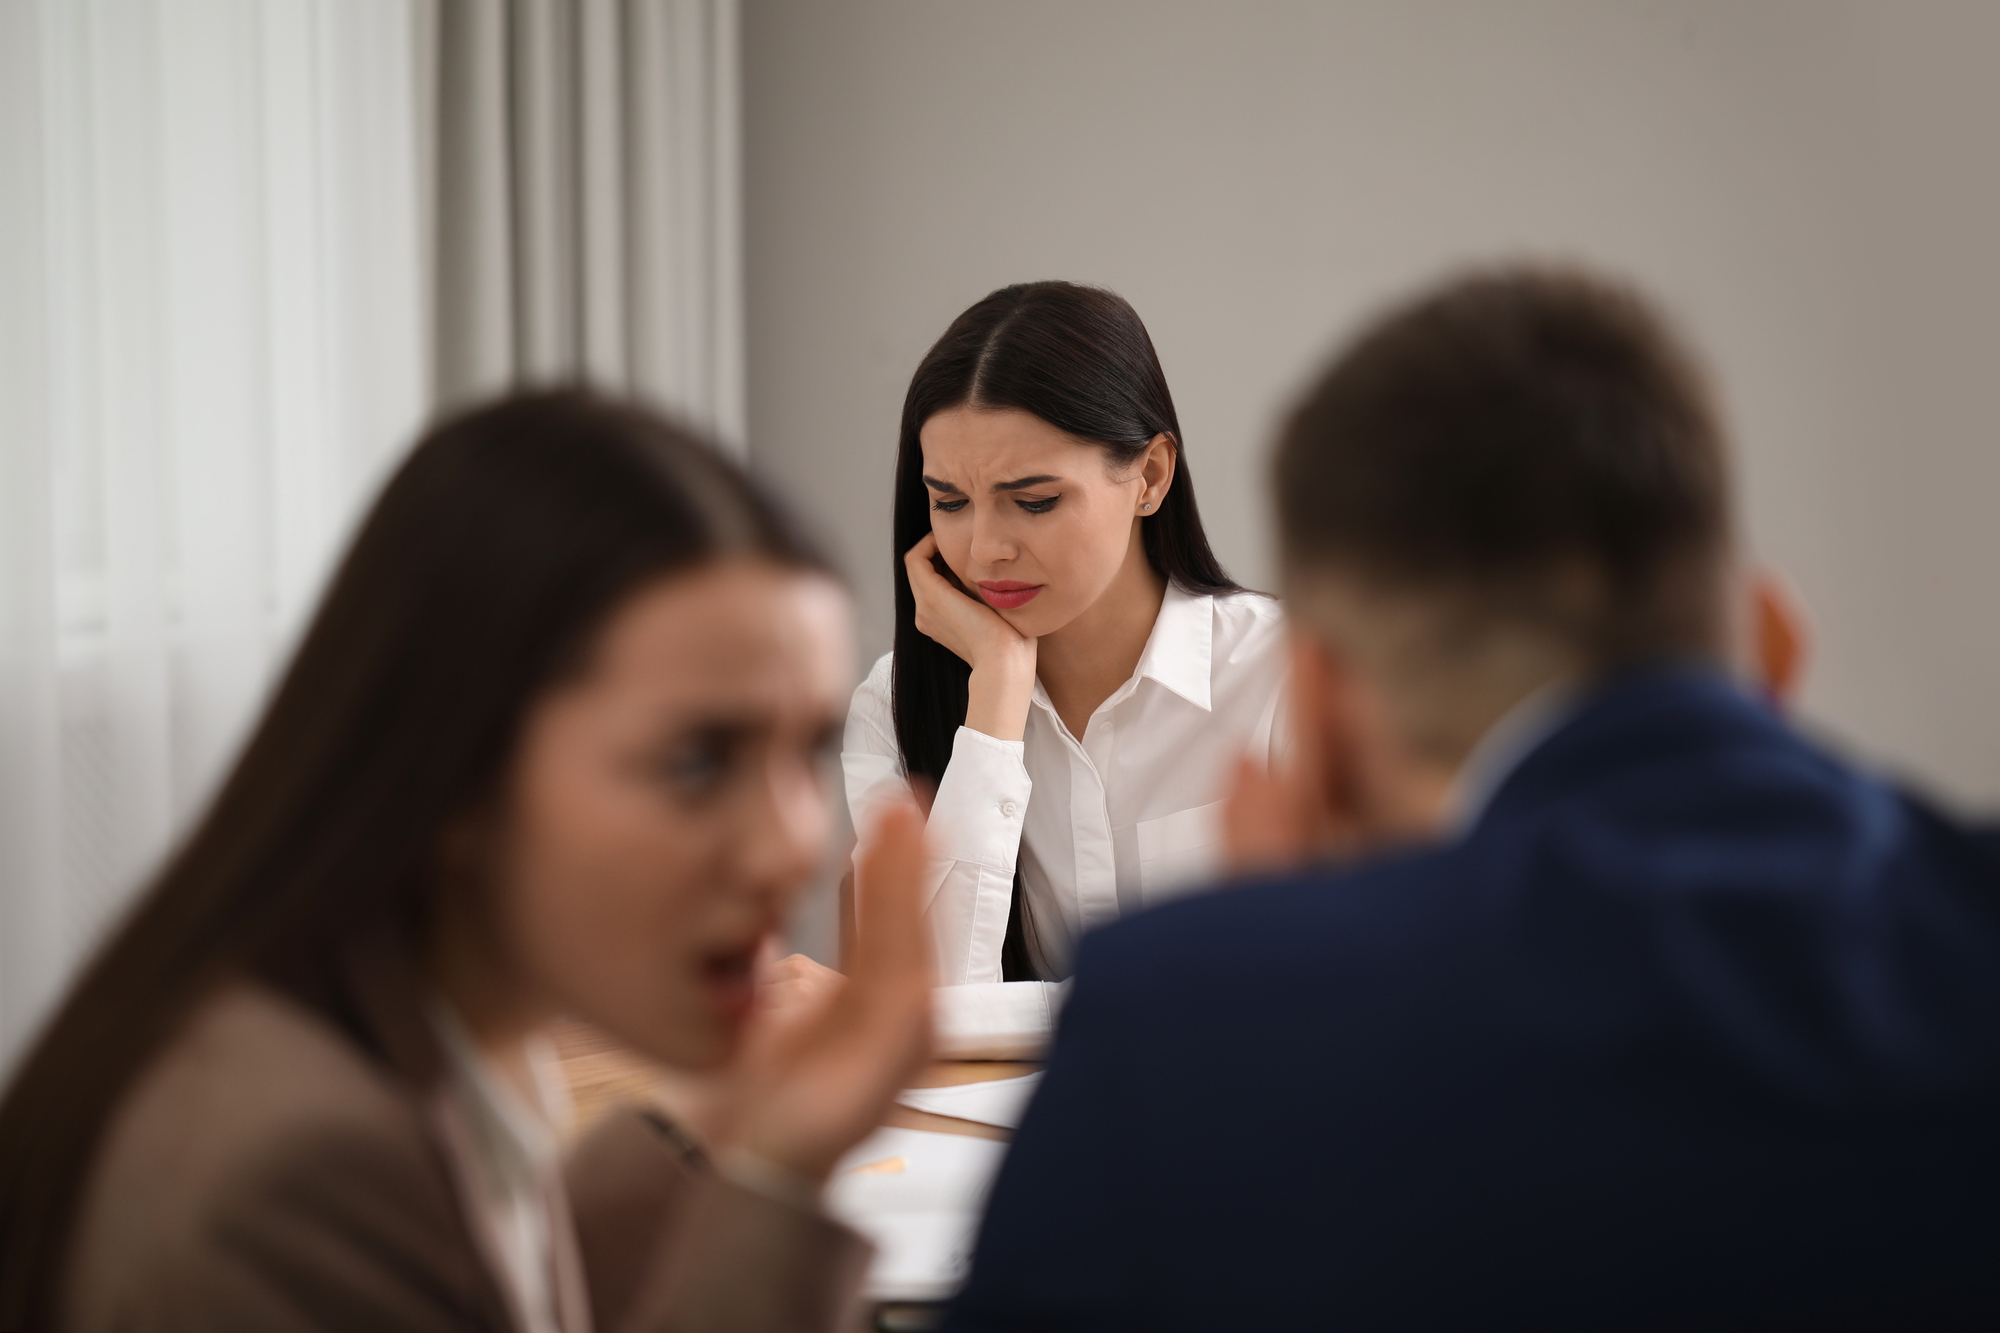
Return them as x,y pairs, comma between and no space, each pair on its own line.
262,1162
251,1067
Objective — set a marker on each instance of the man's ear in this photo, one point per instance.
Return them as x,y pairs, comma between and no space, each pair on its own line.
1780,638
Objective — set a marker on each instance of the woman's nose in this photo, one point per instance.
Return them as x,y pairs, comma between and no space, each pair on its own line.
991,544
790,824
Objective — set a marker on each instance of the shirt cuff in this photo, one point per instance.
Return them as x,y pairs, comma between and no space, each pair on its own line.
981,801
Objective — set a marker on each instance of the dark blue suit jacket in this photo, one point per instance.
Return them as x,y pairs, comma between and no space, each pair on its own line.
1697,1026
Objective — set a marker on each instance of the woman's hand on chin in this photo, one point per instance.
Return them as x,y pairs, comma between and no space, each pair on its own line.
1001,657
826,1054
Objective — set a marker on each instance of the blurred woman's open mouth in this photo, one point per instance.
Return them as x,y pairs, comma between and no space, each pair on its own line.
1006,594
729,980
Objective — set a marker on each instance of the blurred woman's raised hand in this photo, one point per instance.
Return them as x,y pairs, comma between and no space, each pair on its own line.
1001,657
826,1056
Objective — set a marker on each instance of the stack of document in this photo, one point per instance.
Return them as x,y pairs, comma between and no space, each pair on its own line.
919,1195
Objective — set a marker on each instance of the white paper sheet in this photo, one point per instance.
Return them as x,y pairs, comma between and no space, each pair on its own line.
918,1196
1000,1101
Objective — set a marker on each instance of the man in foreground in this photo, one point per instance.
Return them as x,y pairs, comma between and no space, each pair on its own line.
1622,1005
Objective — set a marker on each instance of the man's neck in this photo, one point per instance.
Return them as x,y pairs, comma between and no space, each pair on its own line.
1511,738
1084,662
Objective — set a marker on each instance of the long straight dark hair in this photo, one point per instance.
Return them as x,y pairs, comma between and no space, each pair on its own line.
1080,359
480,577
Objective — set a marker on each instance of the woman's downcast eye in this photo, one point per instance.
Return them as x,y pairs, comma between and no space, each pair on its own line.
1030,506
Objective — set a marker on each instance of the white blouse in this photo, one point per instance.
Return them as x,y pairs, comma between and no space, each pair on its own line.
1122,819
508,1161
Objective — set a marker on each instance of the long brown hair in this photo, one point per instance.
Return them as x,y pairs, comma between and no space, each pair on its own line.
480,576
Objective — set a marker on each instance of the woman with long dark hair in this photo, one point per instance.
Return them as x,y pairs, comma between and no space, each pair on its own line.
1072,669
551,746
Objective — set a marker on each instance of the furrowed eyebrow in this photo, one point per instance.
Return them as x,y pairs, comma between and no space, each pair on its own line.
1018,485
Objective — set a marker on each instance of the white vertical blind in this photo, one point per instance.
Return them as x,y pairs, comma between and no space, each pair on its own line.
214,337
244,246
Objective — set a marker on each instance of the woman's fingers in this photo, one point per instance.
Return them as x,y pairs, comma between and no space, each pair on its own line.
953,617
882,1017
888,893
1263,827
829,1087
930,588
791,967
917,562
890,974
796,985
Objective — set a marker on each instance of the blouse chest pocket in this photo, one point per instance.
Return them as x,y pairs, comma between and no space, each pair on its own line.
1180,853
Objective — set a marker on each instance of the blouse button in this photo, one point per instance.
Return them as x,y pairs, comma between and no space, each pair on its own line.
1007,808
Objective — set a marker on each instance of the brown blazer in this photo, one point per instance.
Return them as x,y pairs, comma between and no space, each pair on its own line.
268,1173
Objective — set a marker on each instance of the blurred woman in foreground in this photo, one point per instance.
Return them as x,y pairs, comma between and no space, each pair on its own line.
551,747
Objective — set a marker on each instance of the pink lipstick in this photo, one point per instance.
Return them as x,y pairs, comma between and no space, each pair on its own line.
1006,594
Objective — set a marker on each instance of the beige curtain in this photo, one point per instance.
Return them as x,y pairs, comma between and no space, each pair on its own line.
586,201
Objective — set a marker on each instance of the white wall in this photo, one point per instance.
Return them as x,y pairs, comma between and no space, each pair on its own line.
1811,186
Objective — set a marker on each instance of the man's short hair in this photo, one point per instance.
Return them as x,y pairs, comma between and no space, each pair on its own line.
1534,447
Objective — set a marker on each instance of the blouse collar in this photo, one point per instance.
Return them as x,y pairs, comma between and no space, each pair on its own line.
1177,651
1176,654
